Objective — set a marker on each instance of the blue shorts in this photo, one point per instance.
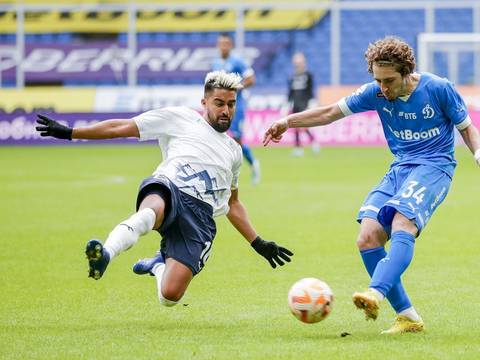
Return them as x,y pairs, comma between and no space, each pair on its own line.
236,128
415,191
188,229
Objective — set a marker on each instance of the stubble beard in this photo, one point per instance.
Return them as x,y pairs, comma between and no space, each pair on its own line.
220,127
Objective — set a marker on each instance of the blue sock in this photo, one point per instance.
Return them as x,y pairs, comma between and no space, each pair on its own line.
397,296
248,154
390,268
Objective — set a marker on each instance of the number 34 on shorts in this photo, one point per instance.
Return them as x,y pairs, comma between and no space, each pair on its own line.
420,194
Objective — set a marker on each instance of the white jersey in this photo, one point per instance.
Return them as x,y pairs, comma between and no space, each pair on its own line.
199,160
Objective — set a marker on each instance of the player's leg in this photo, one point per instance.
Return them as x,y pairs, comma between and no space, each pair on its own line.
186,245
371,241
390,269
408,212
386,274
150,215
173,279
313,142
297,150
236,129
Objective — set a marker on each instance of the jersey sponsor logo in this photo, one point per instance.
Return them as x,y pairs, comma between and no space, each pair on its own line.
438,198
422,222
428,112
408,134
196,178
407,116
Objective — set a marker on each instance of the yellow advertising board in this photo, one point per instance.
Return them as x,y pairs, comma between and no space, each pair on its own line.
59,99
81,20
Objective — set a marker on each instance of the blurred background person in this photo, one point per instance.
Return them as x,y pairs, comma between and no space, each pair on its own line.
234,63
300,97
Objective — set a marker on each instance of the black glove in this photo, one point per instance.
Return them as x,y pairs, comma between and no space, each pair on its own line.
53,128
271,251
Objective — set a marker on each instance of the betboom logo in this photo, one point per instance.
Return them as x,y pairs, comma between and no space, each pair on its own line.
408,134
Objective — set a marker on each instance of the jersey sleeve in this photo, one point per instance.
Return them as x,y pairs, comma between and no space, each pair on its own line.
155,124
243,68
361,100
454,107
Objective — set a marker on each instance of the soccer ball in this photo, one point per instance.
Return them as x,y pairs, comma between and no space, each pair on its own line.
310,300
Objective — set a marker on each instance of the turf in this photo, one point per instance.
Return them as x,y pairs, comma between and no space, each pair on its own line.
53,199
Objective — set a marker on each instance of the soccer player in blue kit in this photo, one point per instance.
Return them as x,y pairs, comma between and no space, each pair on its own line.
418,112
235,64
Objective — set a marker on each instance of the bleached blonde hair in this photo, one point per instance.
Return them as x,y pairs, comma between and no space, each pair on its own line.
222,80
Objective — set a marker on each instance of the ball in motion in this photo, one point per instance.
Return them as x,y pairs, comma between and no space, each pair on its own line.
310,300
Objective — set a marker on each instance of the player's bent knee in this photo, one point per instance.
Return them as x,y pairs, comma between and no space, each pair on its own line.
168,300
401,223
169,297
368,240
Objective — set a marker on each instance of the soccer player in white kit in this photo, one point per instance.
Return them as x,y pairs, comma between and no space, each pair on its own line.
196,181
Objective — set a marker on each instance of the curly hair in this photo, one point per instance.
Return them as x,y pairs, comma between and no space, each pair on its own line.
391,51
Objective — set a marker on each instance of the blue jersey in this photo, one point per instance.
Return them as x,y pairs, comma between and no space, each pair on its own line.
236,65
419,128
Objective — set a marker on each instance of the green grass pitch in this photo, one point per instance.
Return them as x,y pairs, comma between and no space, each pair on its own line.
53,199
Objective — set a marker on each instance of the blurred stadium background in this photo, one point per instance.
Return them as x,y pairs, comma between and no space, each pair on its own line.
97,57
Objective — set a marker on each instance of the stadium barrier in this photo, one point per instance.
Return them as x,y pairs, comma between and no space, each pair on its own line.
91,105
358,130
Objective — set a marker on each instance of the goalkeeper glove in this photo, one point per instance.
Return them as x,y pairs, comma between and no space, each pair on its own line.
53,128
271,251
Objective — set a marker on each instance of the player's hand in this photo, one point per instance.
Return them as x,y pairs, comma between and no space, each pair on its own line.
52,128
275,131
272,252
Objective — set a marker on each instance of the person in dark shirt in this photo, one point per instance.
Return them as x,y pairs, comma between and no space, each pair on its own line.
300,95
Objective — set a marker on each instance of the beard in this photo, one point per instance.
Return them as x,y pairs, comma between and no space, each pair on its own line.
220,125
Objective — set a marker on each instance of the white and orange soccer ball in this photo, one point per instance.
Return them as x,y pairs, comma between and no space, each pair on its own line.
310,300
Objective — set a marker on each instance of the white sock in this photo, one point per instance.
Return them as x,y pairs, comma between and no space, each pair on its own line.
411,313
377,294
158,271
126,234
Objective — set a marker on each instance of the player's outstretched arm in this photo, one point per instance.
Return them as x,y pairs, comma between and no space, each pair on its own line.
108,129
238,217
319,116
471,138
